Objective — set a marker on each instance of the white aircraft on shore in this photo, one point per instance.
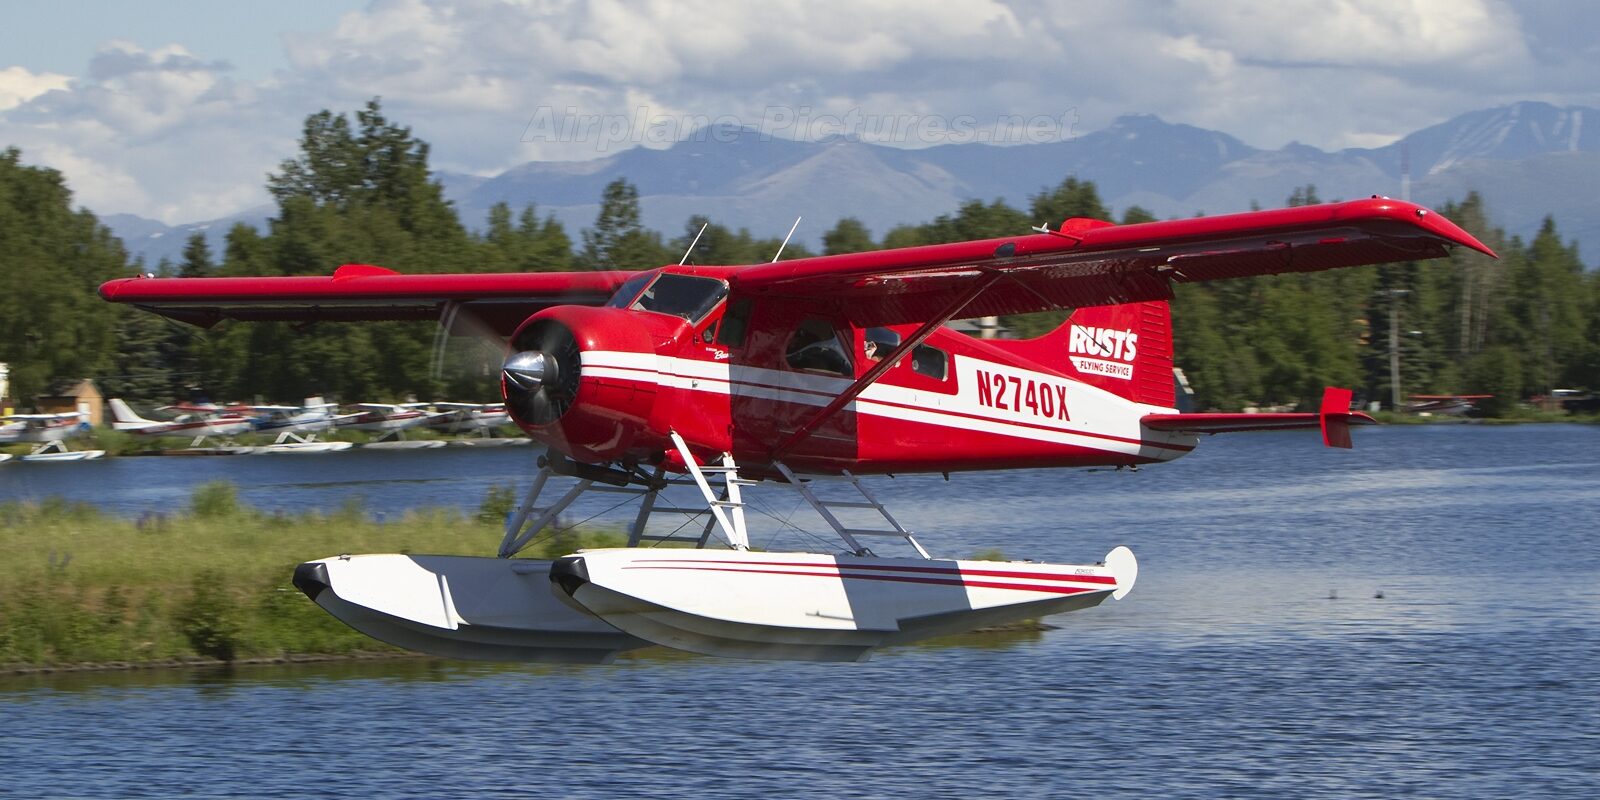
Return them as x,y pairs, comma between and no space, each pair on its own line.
297,426
391,421
479,419
197,424
50,433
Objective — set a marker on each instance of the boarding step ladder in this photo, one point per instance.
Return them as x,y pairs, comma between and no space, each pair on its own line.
824,508
727,509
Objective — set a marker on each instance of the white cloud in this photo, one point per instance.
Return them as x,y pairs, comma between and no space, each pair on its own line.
18,85
1366,33
160,133
168,132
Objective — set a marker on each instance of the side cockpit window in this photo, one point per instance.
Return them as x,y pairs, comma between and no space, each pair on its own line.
734,323
815,346
929,361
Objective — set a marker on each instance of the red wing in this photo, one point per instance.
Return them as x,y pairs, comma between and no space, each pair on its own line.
1101,265
357,292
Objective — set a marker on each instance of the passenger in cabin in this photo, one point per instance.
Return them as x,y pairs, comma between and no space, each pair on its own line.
878,342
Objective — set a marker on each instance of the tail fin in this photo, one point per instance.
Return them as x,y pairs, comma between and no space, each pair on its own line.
1124,349
123,418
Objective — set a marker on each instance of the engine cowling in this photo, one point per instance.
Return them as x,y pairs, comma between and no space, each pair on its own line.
584,381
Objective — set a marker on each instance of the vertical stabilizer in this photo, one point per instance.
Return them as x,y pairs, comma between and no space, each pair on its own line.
1124,349
123,418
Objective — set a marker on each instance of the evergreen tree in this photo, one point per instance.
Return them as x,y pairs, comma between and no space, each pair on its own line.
847,236
196,257
529,245
358,193
1072,198
52,324
1133,215
1547,302
618,240
1304,196
141,370
713,243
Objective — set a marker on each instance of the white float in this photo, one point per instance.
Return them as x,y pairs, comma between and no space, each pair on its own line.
64,455
492,609
814,607
302,447
405,444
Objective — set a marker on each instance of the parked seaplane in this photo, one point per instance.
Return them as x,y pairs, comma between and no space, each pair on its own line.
297,427
792,374
49,433
1452,405
479,420
196,423
391,421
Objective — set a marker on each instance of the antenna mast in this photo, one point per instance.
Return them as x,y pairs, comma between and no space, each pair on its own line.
696,241
786,239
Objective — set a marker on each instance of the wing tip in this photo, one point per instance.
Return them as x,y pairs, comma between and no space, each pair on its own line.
1425,218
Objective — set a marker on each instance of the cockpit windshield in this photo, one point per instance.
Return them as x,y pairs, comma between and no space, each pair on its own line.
629,290
681,295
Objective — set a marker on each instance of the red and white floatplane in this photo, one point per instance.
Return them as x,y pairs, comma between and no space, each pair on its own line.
796,375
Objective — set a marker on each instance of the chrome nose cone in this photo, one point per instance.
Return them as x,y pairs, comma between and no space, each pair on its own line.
529,370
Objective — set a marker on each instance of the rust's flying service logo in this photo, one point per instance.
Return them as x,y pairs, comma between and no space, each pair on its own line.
1103,351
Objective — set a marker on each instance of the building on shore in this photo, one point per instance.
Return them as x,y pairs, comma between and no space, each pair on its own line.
68,396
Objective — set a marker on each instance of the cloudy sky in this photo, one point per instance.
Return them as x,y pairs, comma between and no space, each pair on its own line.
177,110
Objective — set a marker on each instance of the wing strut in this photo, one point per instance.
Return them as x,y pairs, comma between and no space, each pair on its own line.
850,393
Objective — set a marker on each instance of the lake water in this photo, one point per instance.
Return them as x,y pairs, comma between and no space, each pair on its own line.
1228,672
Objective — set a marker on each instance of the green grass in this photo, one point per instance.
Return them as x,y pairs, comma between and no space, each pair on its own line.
211,581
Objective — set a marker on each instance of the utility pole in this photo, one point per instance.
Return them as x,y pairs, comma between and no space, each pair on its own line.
1394,346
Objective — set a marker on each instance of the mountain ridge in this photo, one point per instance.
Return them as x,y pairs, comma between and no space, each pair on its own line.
1528,159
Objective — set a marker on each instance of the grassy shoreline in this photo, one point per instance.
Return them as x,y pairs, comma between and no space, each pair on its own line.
210,584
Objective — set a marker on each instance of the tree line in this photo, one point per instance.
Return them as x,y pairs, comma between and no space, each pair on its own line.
360,191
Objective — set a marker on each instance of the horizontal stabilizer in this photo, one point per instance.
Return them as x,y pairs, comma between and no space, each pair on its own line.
1333,419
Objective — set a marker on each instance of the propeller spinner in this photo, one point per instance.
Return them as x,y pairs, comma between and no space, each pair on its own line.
540,381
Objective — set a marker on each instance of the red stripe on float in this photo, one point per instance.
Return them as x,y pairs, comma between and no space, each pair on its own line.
1020,587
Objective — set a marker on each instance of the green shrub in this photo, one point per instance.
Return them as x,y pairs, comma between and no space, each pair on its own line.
497,504
210,618
215,500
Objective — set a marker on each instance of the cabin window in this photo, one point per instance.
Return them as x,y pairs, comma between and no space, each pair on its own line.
879,342
684,296
734,323
629,290
815,346
929,361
